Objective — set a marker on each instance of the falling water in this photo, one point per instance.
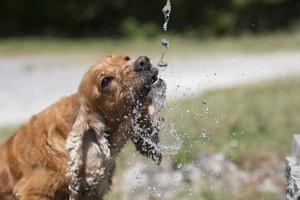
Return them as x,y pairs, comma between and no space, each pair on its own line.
148,137
164,42
165,46
166,11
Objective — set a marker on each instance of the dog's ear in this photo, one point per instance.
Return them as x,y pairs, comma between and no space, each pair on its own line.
84,124
74,144
145,137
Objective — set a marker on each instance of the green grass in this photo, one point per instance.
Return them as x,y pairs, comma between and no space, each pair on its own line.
261,118
179,45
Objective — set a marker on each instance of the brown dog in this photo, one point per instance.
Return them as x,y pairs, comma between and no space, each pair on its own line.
68,150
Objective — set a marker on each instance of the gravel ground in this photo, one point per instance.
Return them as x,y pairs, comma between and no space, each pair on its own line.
30,83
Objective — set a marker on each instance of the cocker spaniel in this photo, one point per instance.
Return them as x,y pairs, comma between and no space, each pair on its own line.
68,151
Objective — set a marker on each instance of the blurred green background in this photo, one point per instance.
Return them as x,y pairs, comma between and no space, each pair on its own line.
95,18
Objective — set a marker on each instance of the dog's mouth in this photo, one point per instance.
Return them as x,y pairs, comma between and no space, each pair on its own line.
147,72
149,83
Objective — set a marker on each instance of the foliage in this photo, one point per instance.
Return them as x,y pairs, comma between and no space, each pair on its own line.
181,48
117,17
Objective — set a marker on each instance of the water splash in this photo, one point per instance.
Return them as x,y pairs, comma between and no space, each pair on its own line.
171,142
204,135
234,144
206,108
158,98
146,127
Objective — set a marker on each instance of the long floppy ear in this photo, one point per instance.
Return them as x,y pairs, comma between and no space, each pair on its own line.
74,145
84,124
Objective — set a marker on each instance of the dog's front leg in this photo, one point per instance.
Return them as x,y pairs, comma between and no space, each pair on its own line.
42,184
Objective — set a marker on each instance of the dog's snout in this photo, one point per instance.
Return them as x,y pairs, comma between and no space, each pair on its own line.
142,64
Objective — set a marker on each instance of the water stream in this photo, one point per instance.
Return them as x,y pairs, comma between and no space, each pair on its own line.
164,42
166,11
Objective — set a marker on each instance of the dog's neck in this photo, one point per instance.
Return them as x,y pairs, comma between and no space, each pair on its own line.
117,130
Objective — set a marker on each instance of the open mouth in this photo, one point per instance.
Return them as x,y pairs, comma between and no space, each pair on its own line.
150,86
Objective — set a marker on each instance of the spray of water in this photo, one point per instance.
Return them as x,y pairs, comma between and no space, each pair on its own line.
146,128
164,42
171,142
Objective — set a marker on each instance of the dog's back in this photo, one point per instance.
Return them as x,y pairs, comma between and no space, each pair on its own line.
6,180
37,147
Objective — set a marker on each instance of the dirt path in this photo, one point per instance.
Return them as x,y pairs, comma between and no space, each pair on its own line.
30,83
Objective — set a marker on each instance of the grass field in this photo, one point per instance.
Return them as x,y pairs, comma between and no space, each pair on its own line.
179,45
245,123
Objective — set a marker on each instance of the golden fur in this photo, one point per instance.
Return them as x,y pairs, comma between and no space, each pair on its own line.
42,160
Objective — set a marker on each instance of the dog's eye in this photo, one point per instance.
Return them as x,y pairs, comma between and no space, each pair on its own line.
106,81
127,58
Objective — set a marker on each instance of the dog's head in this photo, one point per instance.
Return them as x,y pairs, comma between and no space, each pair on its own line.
118,88
114,84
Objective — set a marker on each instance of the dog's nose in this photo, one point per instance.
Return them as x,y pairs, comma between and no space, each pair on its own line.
142,64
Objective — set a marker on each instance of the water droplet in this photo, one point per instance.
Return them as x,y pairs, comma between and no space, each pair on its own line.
179,165
220,157
165,43
204,135
217,122
165,46
234,144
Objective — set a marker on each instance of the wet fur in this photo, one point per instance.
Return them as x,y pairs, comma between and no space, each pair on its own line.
69,149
